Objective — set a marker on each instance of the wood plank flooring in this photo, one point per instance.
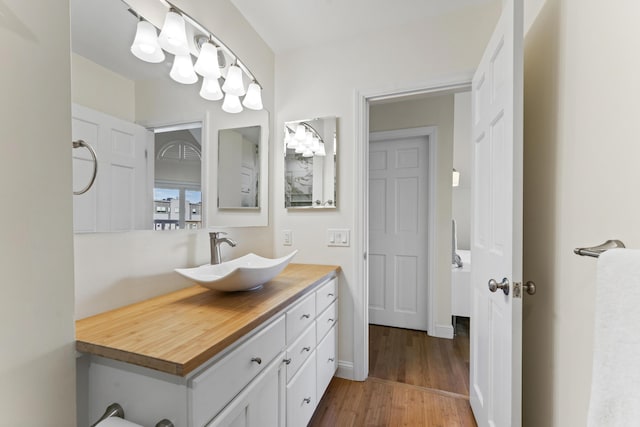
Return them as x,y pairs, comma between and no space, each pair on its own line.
399,356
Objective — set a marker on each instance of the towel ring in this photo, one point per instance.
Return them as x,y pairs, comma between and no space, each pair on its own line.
80,143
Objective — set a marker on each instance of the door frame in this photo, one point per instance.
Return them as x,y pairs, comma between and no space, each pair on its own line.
431,134
361,208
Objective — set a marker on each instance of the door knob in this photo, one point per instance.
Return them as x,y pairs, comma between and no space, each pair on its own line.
530,287
504,285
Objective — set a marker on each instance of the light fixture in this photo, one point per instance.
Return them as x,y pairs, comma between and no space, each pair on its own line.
145,44
182,70
212,54
211,89
301,133
233,84
253,98
456,178
231,104
207,64
173,37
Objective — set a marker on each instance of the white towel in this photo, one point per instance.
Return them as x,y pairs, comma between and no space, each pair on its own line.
615,387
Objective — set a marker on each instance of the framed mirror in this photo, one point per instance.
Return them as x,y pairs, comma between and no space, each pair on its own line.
239,168
310,148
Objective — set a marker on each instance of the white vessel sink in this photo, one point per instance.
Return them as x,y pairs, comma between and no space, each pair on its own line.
241,274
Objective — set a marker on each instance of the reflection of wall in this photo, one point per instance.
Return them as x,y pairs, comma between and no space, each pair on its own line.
101,89
390,58
461,196
239,170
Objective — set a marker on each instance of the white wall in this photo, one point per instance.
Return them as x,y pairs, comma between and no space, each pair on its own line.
114,269
582,78
308,85
461,195
101,89
37,364
431,111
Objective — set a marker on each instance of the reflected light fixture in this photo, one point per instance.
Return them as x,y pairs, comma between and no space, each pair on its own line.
145,44
456,178
173,37
211,53
304,139
182,70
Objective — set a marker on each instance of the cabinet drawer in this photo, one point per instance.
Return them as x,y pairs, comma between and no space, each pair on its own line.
326,295
325,321
211,390
301,394
327,362
298,352
300,317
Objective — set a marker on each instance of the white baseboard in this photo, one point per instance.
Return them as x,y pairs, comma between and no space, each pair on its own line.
442,331
345,370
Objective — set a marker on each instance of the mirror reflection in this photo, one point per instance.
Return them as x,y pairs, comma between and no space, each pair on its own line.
177,192
310,163
239,168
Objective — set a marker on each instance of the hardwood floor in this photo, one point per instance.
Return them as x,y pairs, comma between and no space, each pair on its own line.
414,380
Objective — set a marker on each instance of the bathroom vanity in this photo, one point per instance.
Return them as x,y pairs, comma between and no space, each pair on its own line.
205,358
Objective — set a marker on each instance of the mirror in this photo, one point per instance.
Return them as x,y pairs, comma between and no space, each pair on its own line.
310,163
239,168
121,106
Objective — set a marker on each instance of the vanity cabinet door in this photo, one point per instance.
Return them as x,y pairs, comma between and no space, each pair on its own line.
327,362
260,404
298,352
326,295
301,394
326,320
300,316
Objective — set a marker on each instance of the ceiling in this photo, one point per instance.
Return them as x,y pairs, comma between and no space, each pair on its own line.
291,24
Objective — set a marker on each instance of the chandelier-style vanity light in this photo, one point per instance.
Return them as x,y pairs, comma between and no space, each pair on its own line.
148,46
305,140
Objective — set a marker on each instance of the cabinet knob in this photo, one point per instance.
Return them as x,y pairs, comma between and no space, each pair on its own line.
305,316
307,400
306,349
331,359
330,320
257,360
329,295
287,361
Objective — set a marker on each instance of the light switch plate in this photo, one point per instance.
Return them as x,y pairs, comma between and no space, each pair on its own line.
338,237
287,237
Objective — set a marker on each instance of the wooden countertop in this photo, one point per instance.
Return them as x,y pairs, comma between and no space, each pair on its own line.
177,332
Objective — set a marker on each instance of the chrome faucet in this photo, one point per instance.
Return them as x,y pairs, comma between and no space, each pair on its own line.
216,241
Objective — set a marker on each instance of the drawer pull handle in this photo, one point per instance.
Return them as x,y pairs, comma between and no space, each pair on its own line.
330,320
307,400
331,359
329,295
257,360
305,316
306,348
287,361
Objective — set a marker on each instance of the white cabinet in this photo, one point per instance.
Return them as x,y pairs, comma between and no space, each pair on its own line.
273,376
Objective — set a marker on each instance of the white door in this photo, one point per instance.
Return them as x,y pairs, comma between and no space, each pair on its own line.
121,198
398,194
496,230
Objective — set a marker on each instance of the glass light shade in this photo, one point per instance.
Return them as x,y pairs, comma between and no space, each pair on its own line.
207,64
321,151
456,178
231,104
145,45
307,153
211,89
308,140
315,143
173,37
182,70
301,133
234,85
300,148
253,98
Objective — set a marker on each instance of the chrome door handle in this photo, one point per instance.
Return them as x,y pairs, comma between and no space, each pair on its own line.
504,285
530,287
